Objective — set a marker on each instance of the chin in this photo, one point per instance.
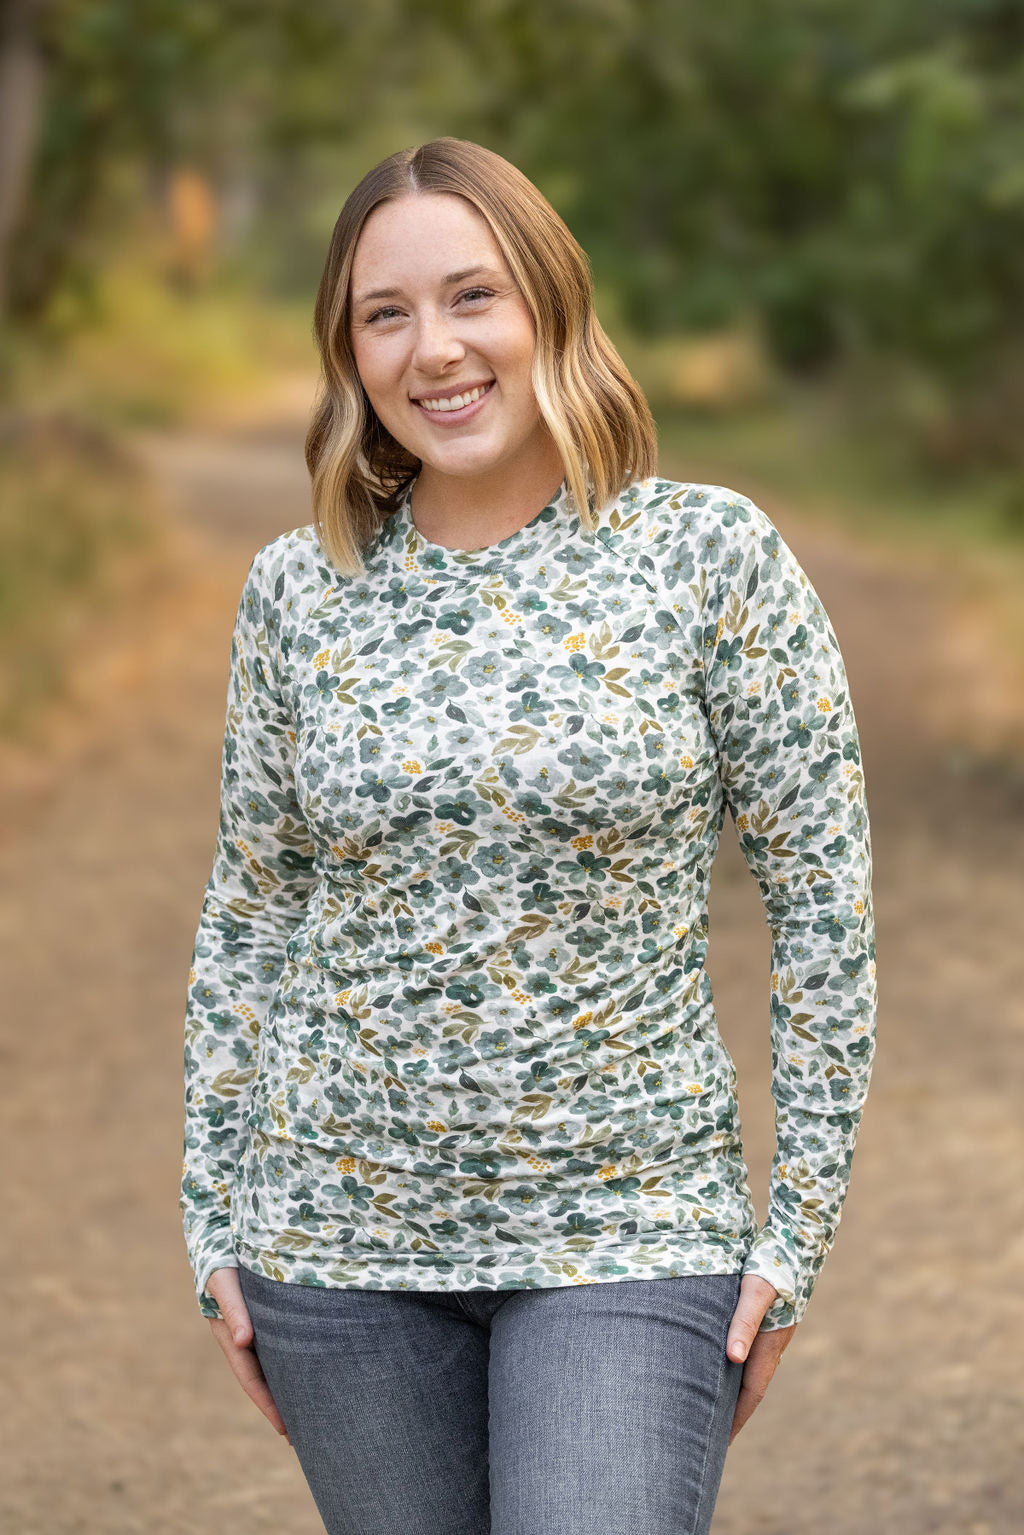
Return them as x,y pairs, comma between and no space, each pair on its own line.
462,463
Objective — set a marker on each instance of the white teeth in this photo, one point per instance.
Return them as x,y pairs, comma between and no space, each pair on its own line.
457,401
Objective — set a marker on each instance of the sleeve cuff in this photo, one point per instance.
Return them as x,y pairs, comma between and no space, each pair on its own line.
211,1247
770,1258
207,1305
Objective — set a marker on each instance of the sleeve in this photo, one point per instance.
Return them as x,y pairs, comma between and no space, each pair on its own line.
778,705
257,893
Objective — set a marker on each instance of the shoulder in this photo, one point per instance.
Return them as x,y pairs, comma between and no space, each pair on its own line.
289,565
688,531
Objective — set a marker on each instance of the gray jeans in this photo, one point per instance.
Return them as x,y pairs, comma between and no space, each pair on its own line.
567,1411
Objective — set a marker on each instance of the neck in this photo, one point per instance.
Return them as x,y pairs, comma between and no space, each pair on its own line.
468,511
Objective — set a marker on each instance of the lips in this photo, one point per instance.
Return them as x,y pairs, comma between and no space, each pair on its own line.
446,415
450,390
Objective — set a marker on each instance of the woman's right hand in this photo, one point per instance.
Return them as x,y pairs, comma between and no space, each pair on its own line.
233,1331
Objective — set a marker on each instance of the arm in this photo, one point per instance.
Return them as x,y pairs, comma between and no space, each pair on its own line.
256,894
778,704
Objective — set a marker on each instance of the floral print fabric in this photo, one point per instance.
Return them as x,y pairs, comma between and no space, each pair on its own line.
448,1021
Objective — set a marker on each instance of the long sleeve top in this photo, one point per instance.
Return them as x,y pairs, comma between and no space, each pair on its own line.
448,1023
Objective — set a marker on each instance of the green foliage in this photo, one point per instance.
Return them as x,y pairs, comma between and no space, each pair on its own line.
847,173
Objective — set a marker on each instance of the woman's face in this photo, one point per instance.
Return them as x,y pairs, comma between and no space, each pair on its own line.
450,320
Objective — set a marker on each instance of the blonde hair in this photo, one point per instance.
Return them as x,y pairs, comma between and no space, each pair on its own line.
596,412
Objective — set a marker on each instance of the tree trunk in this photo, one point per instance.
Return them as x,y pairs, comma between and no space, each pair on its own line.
21,89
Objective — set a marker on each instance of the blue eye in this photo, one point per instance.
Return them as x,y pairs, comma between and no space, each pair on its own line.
387,309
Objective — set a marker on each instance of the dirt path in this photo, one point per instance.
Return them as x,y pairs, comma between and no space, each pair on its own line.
899,1405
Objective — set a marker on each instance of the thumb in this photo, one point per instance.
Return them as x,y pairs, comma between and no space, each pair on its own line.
224,1286
237,1318
755,1297
741,1336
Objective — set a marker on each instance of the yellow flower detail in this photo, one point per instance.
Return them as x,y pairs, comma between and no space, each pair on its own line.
585,840
825,705
575,641
321,659
607,1172
694,1087
346,1164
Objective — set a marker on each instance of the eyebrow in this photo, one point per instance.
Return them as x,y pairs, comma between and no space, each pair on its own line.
446,282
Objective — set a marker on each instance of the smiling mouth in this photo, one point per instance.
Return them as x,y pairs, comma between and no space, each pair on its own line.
456,403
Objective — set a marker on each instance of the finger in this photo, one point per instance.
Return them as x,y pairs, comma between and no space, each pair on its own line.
760,1366
742,1332
762,1360
233,1309
755,1296
247,1371
254,1384
756,1375
746,1404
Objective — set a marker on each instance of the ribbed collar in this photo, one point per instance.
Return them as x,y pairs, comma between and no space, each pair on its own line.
404,542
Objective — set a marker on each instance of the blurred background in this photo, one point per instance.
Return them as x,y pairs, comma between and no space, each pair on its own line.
806,224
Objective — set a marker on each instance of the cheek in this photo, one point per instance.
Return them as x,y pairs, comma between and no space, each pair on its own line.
514,362
379,373
524,359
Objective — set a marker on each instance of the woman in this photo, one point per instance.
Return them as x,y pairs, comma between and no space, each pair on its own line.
464,1190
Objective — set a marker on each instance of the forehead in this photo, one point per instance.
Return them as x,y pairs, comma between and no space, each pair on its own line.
422,236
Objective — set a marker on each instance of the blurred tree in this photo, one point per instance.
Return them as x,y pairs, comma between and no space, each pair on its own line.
847,174
21,81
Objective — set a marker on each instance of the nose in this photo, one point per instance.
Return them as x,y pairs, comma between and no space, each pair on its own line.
436,344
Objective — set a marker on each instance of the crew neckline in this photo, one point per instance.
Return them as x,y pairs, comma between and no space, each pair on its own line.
548,528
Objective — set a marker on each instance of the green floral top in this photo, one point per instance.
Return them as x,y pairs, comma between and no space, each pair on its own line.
448,1022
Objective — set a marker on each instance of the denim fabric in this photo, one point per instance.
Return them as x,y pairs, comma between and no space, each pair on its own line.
594,1409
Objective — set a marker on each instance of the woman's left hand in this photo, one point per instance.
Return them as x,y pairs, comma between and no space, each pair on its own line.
761,1350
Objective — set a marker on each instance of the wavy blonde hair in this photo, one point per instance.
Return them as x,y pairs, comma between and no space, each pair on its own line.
595,410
